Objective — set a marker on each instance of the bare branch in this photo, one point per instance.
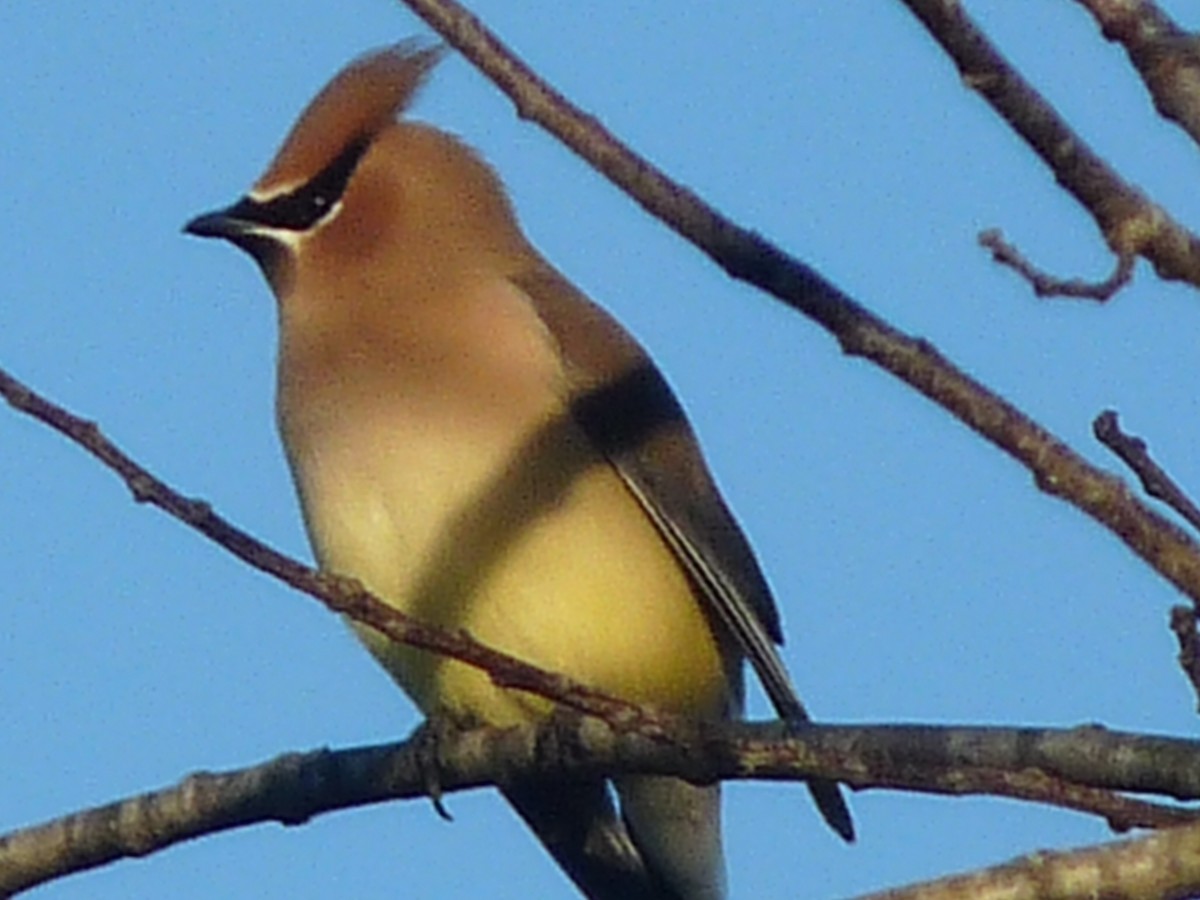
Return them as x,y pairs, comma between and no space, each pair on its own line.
1166,56
1090,756
1163,865
1155,481
1183,624
1077,769
342,595
1130,222
1045,285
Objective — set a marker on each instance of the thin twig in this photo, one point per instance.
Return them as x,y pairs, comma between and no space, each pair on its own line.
1046,285
1183,625
342,595
1134,453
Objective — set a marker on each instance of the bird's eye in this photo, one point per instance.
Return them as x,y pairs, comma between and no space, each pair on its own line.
304,207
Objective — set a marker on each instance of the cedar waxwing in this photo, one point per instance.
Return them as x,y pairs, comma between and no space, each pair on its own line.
484,448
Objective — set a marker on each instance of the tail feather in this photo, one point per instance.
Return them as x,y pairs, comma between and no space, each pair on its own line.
832,805
677,829
578,824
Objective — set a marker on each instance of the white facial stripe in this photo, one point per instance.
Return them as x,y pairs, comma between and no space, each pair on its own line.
258,195
284,236
291,238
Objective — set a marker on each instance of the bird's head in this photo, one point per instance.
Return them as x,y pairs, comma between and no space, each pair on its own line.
359,204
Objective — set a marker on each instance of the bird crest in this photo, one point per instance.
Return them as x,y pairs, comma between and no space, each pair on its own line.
361,101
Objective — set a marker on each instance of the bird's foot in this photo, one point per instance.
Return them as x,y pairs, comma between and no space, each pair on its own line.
426,741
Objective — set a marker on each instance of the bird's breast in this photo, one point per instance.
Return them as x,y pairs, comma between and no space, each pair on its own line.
505,522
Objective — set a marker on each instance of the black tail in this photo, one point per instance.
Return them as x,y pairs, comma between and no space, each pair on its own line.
578,824
828,797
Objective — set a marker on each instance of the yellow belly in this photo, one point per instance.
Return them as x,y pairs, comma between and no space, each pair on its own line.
541,552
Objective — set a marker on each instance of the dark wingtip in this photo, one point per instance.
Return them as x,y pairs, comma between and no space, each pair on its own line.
832,805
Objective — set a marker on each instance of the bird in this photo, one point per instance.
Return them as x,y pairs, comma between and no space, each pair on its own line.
485,448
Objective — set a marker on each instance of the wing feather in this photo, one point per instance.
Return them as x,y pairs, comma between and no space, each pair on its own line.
625,406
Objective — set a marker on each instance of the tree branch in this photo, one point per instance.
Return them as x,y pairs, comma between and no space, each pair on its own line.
1183,625
1163,865
339,594
1133,452
1131,223
1046,285
1166,56
1076,769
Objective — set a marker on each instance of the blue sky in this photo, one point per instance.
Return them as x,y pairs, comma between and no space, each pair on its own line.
920,575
